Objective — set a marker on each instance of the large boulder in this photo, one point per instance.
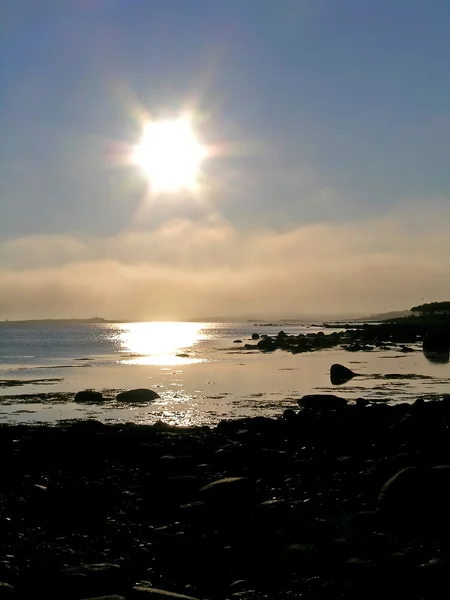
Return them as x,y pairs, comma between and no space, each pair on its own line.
436,345
255,336
340,374
417,497
88,397
322,402
138,395
438,358
437,341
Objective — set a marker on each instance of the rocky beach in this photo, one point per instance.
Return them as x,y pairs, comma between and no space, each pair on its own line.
333,497
331,500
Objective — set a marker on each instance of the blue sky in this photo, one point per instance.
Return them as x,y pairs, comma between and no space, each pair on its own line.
342,109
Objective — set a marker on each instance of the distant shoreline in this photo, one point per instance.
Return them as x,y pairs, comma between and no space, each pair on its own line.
101,321
257,321
95,320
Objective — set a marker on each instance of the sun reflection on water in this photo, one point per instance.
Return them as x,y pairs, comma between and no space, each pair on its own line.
158,343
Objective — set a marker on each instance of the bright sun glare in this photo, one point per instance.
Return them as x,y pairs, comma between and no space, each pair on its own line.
170,155
158,343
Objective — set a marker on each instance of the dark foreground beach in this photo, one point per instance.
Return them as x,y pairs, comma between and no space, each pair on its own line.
332,500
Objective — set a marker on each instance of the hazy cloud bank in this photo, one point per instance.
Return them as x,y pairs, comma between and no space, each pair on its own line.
206,268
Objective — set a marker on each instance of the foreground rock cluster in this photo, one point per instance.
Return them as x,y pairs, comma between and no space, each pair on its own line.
333,500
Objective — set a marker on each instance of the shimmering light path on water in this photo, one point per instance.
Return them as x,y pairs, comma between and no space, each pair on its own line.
215,379
160,343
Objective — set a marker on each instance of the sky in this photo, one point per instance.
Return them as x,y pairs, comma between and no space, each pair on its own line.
326,191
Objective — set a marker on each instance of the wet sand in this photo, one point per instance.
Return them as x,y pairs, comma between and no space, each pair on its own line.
227,385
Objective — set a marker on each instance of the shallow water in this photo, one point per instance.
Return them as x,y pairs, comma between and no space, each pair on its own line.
217,380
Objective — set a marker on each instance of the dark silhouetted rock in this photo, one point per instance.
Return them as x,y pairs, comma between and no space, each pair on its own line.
113,597
266,345
300,348
359,348
356,566
418,405
434,577
322,402
88,396
362,402
182,355
340,374
417,497
437,357
138,395
237,342
289,415
7,591
144,591
437,341
229,491
406,349
88,426
181,488
93,580
324,341
354,347
255,336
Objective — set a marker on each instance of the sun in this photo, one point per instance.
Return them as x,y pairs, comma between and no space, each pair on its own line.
170,155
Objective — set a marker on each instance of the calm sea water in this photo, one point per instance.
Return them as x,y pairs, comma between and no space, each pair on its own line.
218,379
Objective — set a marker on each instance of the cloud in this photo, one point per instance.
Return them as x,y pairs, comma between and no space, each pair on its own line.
208,267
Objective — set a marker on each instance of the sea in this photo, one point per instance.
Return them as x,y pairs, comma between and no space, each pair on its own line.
201,372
